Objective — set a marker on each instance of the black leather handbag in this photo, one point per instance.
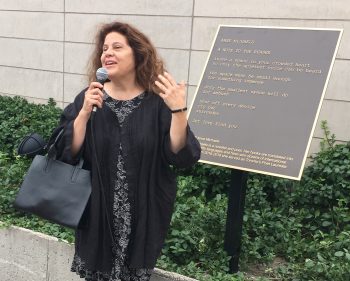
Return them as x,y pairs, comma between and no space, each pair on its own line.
55,190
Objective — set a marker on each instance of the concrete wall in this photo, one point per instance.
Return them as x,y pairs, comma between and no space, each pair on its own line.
45,43
26,255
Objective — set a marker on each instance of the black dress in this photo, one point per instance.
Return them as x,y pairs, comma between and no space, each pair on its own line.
144,136
121,215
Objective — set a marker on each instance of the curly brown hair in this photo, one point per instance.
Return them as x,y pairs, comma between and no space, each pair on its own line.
148,64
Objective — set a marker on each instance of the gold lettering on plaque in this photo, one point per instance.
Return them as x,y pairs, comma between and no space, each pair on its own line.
212,148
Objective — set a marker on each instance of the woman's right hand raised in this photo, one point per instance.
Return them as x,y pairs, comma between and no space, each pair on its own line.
93,97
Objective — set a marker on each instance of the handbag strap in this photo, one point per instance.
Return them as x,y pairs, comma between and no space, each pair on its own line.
100,179
51,145
52,151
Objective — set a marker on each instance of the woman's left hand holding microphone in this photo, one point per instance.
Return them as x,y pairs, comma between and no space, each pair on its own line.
93,97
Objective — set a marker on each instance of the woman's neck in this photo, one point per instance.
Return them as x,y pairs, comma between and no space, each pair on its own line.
122,91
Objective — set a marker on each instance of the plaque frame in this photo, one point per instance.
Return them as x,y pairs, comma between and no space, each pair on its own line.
340,30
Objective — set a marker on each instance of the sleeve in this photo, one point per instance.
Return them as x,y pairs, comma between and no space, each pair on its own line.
189,154
68,116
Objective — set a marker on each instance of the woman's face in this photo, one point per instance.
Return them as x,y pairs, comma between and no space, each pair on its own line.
117,56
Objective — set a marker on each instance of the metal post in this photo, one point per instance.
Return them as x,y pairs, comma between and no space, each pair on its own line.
234,221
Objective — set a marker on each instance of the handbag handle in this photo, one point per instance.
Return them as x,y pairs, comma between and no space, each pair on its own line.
52,152
75,169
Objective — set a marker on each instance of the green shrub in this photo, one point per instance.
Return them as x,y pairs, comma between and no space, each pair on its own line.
19,118
195,226
305,224
11,174
211,180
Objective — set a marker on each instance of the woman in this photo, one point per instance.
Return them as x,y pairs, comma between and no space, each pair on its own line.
140,128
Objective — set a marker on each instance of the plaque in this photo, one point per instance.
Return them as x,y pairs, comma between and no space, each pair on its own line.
257,103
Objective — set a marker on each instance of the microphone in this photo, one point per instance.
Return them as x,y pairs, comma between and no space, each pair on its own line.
101,77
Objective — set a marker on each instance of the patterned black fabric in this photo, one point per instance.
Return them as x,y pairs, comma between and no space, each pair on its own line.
121,212
145,139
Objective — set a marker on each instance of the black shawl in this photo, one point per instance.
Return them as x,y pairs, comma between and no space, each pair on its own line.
152,184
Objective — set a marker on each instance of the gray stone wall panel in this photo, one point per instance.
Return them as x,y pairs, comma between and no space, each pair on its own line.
339,86
150,7
295,9
76,56
33,5
164,32
31,83
191,91
41,55
30,25
197,66
176,62
73,84
336,113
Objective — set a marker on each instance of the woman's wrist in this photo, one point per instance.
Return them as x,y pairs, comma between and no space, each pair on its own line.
84,115
183,109
180,118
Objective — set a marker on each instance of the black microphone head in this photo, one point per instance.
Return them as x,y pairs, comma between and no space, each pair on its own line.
101,75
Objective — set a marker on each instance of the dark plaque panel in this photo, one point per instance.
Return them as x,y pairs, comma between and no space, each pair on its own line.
257,104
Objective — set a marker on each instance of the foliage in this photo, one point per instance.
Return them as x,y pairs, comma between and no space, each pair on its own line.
304,225
197,228
328,139
19,118
211,180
